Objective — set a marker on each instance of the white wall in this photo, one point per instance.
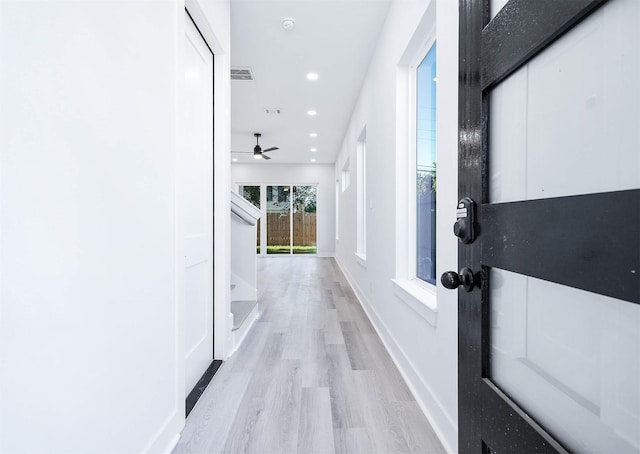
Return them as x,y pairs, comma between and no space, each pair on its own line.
90,334
424,347
298,174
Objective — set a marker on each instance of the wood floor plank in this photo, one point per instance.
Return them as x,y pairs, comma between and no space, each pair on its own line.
416,429
311,376
357,350
210,420
332,330
246,358
315,433
345,408
381,420
352,441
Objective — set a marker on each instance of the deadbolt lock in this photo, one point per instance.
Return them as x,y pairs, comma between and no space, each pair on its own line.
464,227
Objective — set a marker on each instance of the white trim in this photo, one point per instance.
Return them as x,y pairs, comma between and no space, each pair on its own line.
361,259
345,175
361,195
419,297
319,254
244,209
445,427
222,165
241,333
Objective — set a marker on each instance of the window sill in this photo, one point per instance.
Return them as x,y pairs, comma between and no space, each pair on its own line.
418,297
361,259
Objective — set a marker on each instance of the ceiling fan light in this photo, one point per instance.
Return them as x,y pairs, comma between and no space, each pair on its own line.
257,156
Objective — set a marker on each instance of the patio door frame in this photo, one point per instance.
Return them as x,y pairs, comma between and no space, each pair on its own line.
263,211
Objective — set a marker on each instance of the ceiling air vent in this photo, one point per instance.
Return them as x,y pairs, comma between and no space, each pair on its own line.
272,111
241,73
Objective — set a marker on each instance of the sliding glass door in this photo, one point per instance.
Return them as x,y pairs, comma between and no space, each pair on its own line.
288,217
304,220
278,219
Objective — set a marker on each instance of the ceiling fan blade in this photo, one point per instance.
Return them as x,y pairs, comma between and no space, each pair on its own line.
270,149
264,156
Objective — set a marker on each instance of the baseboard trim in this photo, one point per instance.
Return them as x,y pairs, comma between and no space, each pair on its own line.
241,333
202,384
426,399
173,444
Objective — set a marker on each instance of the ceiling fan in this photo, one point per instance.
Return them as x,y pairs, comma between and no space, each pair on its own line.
258,152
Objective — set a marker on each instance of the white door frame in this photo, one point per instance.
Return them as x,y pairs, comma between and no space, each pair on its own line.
221,186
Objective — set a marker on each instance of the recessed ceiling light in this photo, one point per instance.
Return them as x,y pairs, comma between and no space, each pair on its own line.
313,134
288,23
311,112
313,160
312,76
234,159
314,149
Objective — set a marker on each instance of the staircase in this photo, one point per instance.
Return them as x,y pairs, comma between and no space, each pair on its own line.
244,292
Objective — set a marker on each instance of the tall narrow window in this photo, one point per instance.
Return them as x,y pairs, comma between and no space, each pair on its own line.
361,169
346,175
426,168
337,209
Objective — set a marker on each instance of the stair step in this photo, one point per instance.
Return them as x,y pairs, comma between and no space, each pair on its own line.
240,311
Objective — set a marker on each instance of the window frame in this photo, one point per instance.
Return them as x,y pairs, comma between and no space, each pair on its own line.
345,175
412,266
413,162
361,197
408,287
263,212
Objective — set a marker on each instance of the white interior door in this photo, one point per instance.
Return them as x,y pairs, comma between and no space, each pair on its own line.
195,204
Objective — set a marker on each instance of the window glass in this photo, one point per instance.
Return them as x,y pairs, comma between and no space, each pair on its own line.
278,220
252,194
304,220
426,168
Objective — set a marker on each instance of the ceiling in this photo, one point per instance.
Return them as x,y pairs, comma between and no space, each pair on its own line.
333,38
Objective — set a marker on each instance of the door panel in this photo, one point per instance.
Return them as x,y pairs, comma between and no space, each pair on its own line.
599,252
549,343
570,358
278,219
304,219
195,204
556,120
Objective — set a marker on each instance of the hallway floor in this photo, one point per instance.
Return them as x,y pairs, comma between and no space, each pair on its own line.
312,376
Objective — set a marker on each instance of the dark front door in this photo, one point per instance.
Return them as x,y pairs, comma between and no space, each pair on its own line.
549,222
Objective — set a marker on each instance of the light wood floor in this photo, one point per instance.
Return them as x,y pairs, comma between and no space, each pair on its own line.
311,377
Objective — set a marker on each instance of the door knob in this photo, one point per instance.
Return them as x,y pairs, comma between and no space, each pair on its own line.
453,280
